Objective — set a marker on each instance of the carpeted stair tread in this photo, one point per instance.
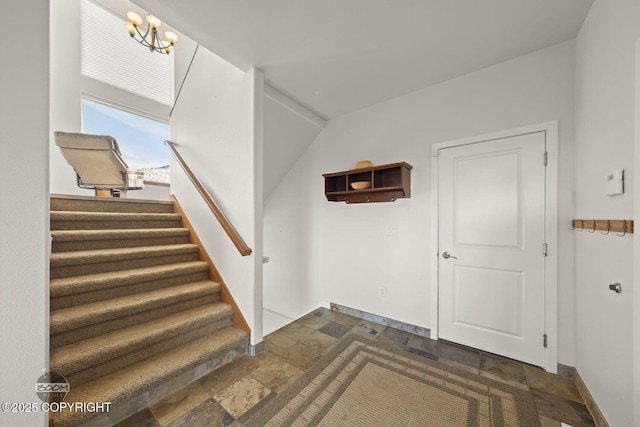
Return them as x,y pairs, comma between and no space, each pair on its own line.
64,259
82,240
112,216
144,284
62,202
76,235
87,353
84,235
92,282
159,347
79,220
125,384
89,331
67,319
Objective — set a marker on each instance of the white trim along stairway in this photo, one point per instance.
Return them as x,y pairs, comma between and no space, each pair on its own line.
132,306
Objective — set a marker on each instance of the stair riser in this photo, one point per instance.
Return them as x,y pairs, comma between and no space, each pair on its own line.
130,289
109,205
103,368
91,268
71,336
88,245
113,225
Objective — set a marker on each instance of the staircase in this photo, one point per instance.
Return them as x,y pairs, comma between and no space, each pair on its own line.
132,307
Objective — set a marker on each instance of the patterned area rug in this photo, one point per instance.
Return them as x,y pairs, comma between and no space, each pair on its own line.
361,383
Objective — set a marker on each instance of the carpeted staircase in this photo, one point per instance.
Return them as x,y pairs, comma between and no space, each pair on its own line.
132,307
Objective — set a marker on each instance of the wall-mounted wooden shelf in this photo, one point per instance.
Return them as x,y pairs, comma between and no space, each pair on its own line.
610,225
388,183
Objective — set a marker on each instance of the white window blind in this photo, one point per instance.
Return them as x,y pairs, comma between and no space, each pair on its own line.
110,55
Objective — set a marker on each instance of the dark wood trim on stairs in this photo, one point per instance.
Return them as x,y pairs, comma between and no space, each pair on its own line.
225,295
224,222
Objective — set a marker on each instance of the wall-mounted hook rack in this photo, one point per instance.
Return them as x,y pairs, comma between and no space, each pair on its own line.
624,226
624,229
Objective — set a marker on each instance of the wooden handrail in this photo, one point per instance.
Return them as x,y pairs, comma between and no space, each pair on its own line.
224,222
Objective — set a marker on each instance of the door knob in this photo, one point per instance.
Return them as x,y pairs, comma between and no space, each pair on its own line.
446,255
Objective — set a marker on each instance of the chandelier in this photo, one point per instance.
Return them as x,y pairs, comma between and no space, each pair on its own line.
150,38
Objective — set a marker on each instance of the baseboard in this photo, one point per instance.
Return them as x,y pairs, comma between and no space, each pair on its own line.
273,320
598,418
381,320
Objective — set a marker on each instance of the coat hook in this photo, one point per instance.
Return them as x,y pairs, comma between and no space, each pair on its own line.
582,223
624,229
608,227
573,227
594,227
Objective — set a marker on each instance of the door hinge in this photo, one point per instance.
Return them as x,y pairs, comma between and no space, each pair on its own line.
544,340
546,158
545,248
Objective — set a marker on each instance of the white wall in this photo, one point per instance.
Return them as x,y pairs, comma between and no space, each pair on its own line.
24,217
151,192
322,251
605,85
289,129
216,126
636,249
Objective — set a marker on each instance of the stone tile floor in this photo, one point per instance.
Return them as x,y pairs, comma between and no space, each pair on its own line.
227,395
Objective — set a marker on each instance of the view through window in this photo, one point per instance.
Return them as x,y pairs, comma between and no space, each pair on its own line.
141,140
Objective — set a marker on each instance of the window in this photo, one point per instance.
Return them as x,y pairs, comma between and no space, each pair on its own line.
141,140
108,54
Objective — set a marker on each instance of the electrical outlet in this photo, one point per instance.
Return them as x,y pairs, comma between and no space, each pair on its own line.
391,230
382,291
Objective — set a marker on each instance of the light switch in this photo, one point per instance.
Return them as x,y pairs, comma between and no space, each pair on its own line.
615,183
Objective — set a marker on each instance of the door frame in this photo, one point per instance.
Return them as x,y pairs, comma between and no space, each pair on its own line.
551,229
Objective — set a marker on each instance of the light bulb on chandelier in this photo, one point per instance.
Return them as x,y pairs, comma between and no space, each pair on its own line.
150,37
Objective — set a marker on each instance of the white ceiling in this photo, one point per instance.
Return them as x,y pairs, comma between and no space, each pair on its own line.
338,56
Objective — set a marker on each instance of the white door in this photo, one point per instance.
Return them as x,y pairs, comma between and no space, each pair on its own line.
491,246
